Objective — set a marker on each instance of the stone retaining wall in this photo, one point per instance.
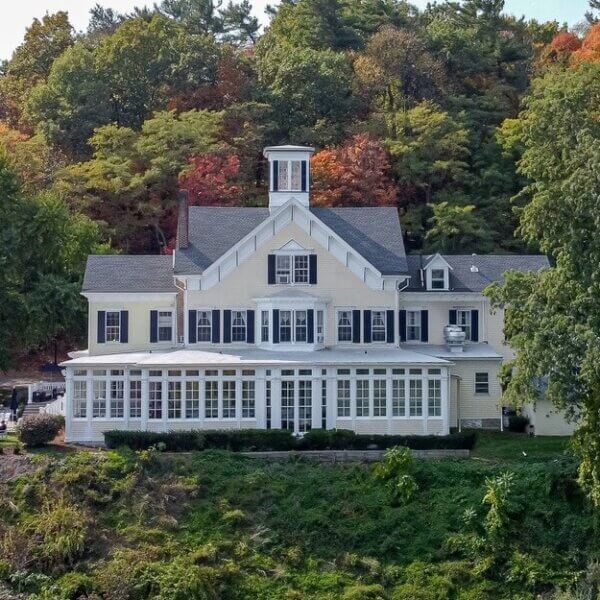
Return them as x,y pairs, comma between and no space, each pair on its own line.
335,456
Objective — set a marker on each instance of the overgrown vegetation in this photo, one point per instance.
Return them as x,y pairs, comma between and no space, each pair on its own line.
218,525
39,429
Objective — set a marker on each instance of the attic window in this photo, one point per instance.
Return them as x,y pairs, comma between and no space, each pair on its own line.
438,279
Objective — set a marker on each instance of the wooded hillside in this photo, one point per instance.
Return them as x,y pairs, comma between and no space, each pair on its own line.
416,109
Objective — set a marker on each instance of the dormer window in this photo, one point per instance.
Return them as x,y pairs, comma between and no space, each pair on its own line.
438,279
289,175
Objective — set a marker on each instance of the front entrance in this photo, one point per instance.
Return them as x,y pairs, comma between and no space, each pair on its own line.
296,405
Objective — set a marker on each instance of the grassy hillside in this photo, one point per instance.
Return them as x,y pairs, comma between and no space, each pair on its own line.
219,525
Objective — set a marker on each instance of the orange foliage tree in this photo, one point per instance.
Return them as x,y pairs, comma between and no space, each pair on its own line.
210,180
355,174
590,48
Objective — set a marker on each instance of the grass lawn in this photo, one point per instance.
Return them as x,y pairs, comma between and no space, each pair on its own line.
508,446
8,440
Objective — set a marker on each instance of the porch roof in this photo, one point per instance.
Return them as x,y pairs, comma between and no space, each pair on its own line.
257,357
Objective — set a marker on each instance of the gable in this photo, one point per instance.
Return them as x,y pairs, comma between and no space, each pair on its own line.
373,233
318,234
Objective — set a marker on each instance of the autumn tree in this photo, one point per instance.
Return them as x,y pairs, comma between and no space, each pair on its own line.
590,47
210,180
355,174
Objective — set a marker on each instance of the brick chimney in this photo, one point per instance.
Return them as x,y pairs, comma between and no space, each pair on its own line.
183,220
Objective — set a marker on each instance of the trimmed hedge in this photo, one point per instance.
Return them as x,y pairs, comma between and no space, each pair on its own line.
517,423
248,440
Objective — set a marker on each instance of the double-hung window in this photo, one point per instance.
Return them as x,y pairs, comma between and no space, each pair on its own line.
229,400
192,399
238,325
283,268
165,326
292,268
438,279
285,325
211,399
344,325
300,327
379,397
204,325
482,383
264,326
248,399
113,326
378,331
413,325
301,268
463,320
320,327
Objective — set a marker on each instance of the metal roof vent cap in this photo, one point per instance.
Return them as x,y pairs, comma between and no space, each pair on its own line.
474,269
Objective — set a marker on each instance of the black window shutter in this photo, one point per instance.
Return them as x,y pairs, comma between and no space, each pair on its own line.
310,326
250,326
303,167
452,317
367,326
153,326
271,269
192,329
389,322
216,327
227,327
275,326
474,325
275,175
312,262
356,326
101,327
124,327
402,325
424,325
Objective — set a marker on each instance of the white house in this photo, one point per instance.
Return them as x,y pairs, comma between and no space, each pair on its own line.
291,317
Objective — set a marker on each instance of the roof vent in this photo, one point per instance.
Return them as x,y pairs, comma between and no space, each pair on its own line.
474,269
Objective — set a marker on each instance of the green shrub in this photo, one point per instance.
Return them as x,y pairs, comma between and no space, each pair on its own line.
517,423
248,440
38,430
397,470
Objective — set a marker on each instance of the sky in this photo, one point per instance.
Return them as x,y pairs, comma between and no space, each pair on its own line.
19,15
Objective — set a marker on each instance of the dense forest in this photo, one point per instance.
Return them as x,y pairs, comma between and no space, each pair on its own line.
415,109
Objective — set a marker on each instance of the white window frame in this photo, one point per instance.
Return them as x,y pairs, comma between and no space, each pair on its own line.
292,273
205,327
80,387
113,327
135,398
293,325
320,327
337,325
381,329
286,175
467,325
485,383
244,315
415,326
170,325
265,319
434,280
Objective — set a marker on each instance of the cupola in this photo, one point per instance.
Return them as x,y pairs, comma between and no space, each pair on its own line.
289,174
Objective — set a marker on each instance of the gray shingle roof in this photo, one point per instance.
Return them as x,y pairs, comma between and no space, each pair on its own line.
491,268
374,232
123,273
